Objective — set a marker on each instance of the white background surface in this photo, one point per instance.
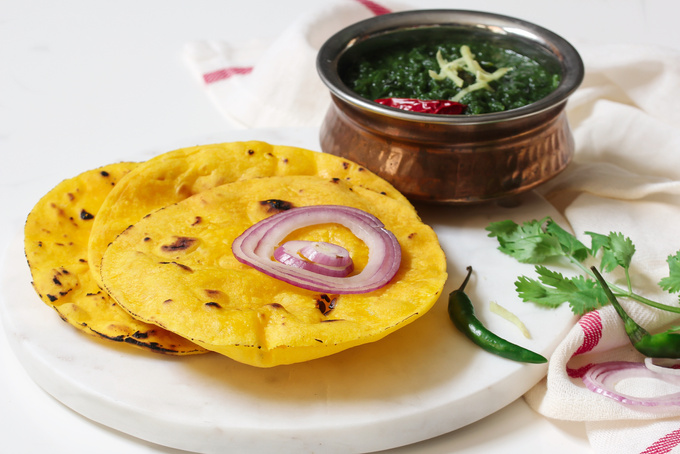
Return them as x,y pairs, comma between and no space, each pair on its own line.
84,81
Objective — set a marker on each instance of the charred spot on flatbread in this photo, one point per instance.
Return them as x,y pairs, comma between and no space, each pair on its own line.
272,206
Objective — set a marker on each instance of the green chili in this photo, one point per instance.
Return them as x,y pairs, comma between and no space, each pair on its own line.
661,345
462,313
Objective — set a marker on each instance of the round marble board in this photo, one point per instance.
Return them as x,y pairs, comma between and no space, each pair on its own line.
421,381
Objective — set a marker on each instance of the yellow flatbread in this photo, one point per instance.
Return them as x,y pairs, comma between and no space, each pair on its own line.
175,268
56,238
176,175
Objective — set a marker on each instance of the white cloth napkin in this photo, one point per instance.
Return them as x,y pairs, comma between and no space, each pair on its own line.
275,84
625,177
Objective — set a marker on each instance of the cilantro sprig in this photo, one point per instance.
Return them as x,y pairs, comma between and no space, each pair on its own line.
539,241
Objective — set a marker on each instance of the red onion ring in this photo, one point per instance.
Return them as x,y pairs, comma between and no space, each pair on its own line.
256,245
663,365
324,253
322,261
602,379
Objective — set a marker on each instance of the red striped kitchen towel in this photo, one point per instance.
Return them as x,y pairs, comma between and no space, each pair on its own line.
625,177
275,84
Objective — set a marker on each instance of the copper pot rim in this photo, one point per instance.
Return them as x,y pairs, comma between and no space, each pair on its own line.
570,62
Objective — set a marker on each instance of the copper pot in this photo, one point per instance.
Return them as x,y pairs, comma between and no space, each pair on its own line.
451,159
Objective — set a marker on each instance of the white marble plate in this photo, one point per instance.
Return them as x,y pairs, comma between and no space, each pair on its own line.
420,382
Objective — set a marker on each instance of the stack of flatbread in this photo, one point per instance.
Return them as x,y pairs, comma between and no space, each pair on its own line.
140,253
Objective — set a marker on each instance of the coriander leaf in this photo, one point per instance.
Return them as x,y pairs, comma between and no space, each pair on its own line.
671,283
528,243
502,229
553,289
617,250
609,260
622,247
570,244
598,241
589,296
554,279
535,241
532,291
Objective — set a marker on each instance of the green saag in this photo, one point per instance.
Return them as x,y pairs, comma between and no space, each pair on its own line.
404,72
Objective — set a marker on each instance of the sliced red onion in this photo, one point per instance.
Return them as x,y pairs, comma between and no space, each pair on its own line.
324,253
603,378
291,253
256,246
663,365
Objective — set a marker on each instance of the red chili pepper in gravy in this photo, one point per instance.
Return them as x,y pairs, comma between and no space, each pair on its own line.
435,106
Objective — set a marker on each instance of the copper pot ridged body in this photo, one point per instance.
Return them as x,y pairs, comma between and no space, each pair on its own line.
430,162
460,159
